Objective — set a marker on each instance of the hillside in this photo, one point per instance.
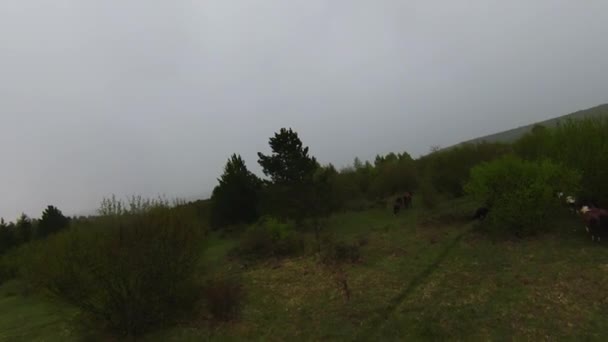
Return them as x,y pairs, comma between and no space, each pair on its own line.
514,134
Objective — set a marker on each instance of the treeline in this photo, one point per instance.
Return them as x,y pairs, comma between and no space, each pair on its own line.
25,229
297,187
524,176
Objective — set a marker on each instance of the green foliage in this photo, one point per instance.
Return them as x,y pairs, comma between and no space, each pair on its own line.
235,199
289,162
428,195
322,196
25,229
52,221
521,194
9,265
351,185
131,271
268,238
394,174
578,144
8,236
291,171
583,145
113,206
535,144
224,297
448,170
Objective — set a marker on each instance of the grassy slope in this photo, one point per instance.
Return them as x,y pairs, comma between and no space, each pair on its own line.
33,318
416,280
516,133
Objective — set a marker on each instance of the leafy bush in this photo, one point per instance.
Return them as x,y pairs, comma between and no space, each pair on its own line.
521,194
224,297
270,238
448,170
579,144
583,145
9,267
131,271
394,174
429,196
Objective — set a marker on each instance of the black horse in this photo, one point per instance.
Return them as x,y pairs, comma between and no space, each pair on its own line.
397,205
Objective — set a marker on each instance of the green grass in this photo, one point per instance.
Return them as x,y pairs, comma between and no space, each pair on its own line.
422,277
33,318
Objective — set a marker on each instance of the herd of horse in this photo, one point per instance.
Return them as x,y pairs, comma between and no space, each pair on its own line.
403,202
594,217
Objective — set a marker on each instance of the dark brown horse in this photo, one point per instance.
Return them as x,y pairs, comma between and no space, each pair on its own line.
407,199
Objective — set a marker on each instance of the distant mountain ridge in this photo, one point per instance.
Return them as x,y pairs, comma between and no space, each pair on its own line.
516,133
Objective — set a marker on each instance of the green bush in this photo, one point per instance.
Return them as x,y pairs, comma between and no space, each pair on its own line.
583,145
131,271
521,194
9,266
448,169
428,195
579,144
394,174
270,238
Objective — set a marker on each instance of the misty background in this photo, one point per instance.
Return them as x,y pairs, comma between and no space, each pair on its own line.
151,97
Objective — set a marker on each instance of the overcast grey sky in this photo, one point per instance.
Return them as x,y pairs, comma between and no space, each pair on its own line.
150,97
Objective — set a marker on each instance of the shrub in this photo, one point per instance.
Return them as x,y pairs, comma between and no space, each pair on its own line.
131,271
428,194
448,169
270,238
578,144
583,145
337,252
9,266
224,297
521,193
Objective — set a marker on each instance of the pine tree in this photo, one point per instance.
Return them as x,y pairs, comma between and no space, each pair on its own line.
52,221
289,162
291,172
235,199
24,228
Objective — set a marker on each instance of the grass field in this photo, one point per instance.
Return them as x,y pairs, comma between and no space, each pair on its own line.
422,277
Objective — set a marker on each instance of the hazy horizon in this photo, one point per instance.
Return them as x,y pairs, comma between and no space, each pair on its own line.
152,97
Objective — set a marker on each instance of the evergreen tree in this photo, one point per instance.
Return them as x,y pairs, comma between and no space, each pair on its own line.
7,235
24,228
291,171
235,199
289,162
52,221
